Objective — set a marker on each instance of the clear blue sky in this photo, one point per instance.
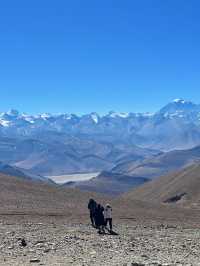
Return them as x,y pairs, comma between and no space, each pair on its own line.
89,55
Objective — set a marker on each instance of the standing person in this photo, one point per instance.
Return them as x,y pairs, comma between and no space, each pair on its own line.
92,205
99,217
108,216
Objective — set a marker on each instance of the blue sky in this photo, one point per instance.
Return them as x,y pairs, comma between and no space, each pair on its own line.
82,56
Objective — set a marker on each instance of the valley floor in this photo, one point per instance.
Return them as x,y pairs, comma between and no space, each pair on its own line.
61,243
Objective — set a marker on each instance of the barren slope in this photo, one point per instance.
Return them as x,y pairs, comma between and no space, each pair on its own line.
18,196
161,164
182,187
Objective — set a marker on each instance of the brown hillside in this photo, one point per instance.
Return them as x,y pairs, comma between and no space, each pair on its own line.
181,188
24,199
19,196
162,164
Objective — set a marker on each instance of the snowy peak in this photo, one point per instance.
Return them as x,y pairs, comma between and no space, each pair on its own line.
180,101
180,107
45,116
113,114
95,117
183,103
7,118
176,125
13,113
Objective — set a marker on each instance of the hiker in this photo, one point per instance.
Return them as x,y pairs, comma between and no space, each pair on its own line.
99,217
108,216
92,205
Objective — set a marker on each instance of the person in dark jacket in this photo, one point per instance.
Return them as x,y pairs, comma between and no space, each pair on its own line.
99,218
92,205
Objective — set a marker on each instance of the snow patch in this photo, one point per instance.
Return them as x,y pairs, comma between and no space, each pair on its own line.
144,114
5,123
28,118
45,116
180,101
95,118
148,114
68,117
115,114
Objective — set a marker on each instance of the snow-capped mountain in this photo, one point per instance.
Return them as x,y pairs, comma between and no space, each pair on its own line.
47,144
180,108
175,126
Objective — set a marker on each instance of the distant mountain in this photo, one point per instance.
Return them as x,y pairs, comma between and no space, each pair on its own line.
109,183
21,173
49,144
181,188
180,107
175,126
9,170
160,164
61,154
133,173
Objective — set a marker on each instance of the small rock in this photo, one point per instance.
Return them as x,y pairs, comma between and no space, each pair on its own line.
47,250
93,252
34,260
145,256
23,242
39,242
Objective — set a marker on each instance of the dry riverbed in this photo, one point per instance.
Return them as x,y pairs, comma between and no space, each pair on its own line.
61,179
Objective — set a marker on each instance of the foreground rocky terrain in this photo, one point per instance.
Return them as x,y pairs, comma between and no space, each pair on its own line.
54,241
42,224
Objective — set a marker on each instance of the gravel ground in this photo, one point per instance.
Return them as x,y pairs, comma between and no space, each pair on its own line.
59,243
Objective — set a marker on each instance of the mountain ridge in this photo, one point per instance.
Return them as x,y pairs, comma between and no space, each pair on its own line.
66,143
147,130
178,188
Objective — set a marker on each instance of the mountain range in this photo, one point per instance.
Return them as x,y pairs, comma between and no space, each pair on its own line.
175,126
128,149
134,173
